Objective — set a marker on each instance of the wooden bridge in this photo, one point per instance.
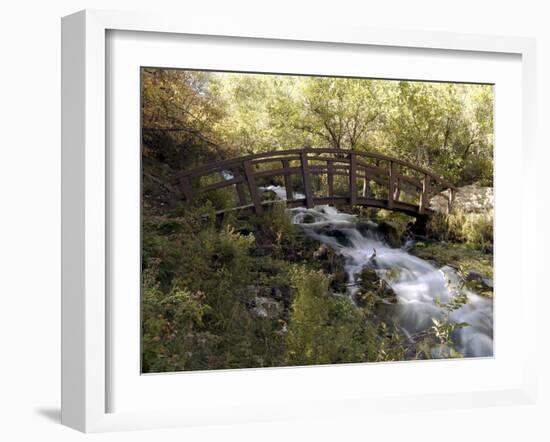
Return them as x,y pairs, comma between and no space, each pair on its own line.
371,180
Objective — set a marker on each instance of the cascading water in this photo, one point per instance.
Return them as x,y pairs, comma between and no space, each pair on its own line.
416,282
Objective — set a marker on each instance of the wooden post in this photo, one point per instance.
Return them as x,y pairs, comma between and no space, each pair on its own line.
451,200
391,184
366,186
240,187
186,189
397,192
288,182
424,197
353,179
249,174
306,180
330,178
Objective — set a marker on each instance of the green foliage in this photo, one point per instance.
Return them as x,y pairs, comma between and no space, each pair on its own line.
474,229
178,113
437,342
478,230
276,224
445,127
189,115
324,329
171,324
196,297
218,199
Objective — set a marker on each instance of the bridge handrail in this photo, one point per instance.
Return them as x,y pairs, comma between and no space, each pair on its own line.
224,164
345,162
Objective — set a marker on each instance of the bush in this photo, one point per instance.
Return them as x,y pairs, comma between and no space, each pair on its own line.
324,329
171,322
274,229
196,298
478,231
474,229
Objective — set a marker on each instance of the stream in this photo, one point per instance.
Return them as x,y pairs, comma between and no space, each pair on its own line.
417,283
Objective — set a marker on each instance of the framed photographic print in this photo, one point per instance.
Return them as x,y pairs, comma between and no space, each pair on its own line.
270,223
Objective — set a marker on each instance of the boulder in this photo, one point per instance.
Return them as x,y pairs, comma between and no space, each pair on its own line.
384,230
308,218
477,281
267,308
390,234
368,279
470,199
281,293
367,229
337,234
374,289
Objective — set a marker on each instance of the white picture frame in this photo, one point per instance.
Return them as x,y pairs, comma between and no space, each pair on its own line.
86,209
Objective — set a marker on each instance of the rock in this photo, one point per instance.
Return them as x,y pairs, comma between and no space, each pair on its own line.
366,228
387,294
384,230
248,295
308,218
390,234
259,312
335,265
470,199
374,289
267,308
322,252
281,293
337,234
365,299
369,279
269,194
473,275
251,290
477,281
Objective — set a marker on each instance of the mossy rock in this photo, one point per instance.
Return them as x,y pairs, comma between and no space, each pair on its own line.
337,234
456,255
333,264
390,233
385,230
365,299
370,282
478,282
366,228
369,279
308,218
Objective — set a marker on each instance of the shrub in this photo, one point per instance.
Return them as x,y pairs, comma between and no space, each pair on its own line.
171,322
478,231
198,285
323,328
474,229
220,199
274,228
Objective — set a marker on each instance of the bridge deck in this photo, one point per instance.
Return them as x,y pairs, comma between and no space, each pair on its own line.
409,209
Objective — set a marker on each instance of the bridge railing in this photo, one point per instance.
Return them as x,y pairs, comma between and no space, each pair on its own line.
387,182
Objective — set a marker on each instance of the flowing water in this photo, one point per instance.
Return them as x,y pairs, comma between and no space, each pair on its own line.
417,283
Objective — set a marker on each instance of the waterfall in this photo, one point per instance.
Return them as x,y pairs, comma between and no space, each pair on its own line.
416,283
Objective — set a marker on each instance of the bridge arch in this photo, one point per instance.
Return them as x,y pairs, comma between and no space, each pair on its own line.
372,180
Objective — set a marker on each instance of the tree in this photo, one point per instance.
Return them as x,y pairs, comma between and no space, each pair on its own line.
341,112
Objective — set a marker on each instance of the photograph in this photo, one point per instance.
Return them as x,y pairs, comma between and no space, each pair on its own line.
301,220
